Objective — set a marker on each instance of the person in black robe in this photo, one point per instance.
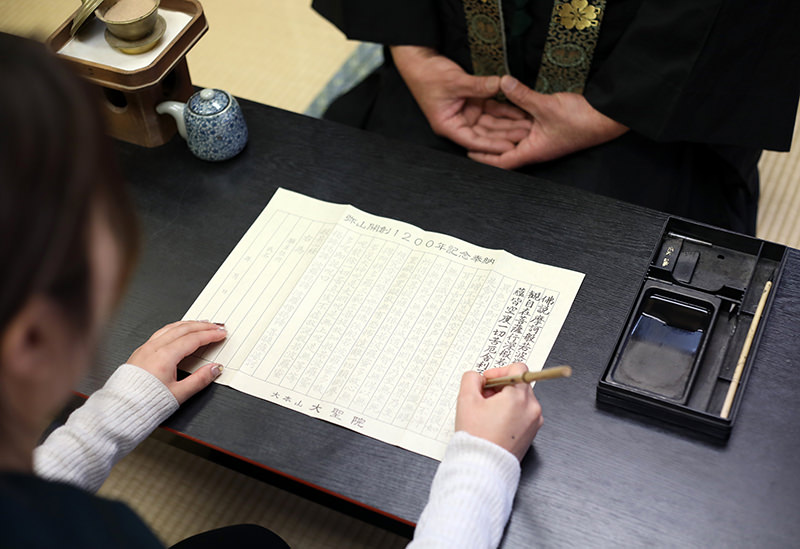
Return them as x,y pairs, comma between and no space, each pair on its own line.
683,96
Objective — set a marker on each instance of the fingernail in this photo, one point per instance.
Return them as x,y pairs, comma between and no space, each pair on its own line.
216,370
508,83
492,82
219,323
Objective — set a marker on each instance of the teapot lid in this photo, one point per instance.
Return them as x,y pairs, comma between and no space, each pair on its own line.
208,101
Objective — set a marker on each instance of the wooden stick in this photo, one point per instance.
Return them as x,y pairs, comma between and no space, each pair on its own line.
737,373
529,377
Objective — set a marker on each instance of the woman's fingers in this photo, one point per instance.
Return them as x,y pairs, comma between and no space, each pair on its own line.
192,384
188,342
173,331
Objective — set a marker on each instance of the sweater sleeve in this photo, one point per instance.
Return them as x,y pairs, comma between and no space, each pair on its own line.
471,496
105,429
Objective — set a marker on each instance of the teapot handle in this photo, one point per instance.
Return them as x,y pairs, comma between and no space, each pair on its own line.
175,109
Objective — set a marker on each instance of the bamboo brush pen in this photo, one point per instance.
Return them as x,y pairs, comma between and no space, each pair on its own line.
529,377
737,373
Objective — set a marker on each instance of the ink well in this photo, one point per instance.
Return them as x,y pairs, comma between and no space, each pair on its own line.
677,356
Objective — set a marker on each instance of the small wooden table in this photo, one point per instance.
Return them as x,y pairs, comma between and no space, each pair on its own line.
593,478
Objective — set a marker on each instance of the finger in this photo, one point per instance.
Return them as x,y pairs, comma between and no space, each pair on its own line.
513,369
493,123
467,138
188,343
515,136
471,384
195,382
508,160
477,86
521,95
180,329
161,331
471,112
504,110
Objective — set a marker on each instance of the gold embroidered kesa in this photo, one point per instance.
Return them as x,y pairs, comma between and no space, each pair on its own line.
486,37
568,50
570,45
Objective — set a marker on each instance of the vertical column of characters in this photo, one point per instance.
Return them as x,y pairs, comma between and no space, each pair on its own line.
358,313
460,357
339,339
408,336
347,388
490,304
540,303
318,253
510,326
306,298
327,329
446,356
264,329
378,383
264,287
495,324
422,366
387,267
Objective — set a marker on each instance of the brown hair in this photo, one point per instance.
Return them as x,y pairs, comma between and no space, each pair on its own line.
56,165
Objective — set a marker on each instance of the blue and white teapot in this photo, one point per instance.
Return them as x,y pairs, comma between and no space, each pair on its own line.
211,122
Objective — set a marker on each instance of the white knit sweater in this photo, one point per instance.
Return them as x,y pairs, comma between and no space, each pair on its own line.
105,429
470,499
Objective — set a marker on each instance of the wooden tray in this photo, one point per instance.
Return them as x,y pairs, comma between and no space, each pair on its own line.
123,80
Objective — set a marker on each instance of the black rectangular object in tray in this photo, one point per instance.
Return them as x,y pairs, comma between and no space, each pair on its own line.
677,354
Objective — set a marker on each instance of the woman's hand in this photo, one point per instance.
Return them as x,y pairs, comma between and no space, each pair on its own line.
563,123
458,105
509,416
161,354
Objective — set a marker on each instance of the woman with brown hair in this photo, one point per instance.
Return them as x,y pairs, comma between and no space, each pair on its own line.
68,238
68,245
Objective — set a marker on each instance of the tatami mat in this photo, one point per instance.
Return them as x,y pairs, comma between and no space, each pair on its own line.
278,52
281,53
779,207
179,495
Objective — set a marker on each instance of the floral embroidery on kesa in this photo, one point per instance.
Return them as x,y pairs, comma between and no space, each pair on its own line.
578,14
569,48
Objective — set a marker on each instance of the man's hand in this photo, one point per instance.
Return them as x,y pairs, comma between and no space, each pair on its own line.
563,123
458,105
509,416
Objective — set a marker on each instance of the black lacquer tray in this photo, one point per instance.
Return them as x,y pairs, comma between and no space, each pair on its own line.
678,352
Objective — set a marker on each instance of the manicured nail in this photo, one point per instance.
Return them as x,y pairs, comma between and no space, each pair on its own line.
216,370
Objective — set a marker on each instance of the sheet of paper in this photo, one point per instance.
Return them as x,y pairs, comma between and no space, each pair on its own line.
368,322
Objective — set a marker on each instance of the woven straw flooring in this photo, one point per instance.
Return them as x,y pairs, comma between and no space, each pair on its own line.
281,53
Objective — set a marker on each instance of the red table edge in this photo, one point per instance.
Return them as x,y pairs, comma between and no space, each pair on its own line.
279,473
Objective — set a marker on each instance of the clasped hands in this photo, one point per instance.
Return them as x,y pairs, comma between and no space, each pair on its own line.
532,128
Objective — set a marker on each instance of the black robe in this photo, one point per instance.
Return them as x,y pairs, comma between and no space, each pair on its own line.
704,85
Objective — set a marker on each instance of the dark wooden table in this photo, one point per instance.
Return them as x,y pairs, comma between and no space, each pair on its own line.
593,478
